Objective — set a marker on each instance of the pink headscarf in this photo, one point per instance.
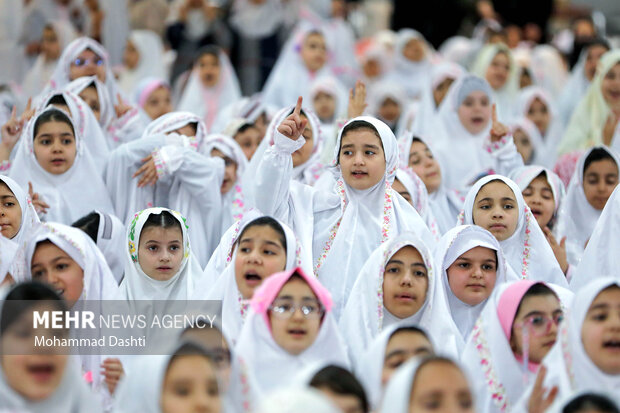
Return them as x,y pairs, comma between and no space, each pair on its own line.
509,303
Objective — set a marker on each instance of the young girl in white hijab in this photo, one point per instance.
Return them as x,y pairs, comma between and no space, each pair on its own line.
593,181
528,141
409,185
365,159
143,57
212,85
153,96
388,102
52,155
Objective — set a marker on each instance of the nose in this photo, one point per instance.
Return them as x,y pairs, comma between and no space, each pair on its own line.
201,403
358,159
407,278
498,212
166,255
297,315
253,257
52,278
477,272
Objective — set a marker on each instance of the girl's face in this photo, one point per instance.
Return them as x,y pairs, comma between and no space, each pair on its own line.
414,50
405,283
600,333
441,90
50,46
599,181
472,275
88,63
371,68
361,159
10,212
55,147
34,376
249,140
610,86
389,110
424,164
594,55
539,197
324,106
190,385
297,333
160,252
302,155
400,188
91,98
538,113
131,58
209,69
188,130
314,52
440,386
55,267
213,341
524,145
525,78
230,171
259,255
537,313
402,346
496,210
158,103
498,70
475,112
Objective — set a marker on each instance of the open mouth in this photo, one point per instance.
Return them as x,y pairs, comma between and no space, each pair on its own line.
41,372
549,343
60,292
58,161
477,120
536,212
614,94
297,332
613,345
359,174
252,278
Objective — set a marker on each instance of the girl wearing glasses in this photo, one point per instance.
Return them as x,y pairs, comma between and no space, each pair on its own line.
514,333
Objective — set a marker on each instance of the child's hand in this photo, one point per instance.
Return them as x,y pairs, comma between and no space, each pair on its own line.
39,205
293,126
498,129
538,403
357,100
11,131
559,250
28,112
113,371
148,172
610,128
122,107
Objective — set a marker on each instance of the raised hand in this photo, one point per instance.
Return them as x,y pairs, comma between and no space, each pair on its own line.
540,400
357,100
498,129
28,112
11,131
293,126
39,205
122,107
559,249
112,371
148,171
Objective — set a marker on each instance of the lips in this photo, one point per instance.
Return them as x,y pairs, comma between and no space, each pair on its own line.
536,212
41,372
164,268
497,227
613,345
476,287
549,343
477,120
252,279
405,297
297,333
58,161
359,174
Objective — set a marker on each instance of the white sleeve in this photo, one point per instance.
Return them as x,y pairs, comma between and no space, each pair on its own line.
505,155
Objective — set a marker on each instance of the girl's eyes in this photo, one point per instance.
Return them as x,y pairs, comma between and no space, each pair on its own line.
269,252
37,274
419,274
9,204
152,248
484,207
174,247
347,153
45,141
181,391
245,250
602,316
61,267
464,265
488,267
392,270
67,141
509,206
369,153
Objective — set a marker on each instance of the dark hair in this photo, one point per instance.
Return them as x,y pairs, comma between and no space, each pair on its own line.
340,381
191,348
210,49
162,220
245,127
598,41
26,295
597,154
266,222
434,359
590,401
52,115
410,329
57,100
89,224
358,125
536,290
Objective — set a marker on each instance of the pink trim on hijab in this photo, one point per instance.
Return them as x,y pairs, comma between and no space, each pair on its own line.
509,303
150,88
269,289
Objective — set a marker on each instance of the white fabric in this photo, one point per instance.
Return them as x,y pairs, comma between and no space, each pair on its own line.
343,226
256,20
575,88
8,249
525,175
412,76
419,197
138,286
452,245
150,63
526,126
549,69
106,107
388,89
577,217
206,102
70,195
111,241
527,250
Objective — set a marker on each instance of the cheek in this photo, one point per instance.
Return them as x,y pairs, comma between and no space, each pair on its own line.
456,279
74,282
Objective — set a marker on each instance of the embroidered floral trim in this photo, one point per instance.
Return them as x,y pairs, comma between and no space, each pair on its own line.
245,384
71,242
238,206
496,388
160,164
132,237
5,165
566,353
526,244
244,305
233,240
494,146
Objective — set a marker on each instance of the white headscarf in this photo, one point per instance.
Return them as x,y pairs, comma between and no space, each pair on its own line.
365,315
137,285
150,63
70,195
575,88
577,217
8,249
107,112
538,156
111,241
527,250
206,102
525,175
548,69
256,20
382,90
412,76
419,197
452,245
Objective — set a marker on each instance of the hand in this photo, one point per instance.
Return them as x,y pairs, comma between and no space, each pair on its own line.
39,205
11,131
357,100
293,126
610,128
148,172
485,9
498,129
28,112
122,107
559,250
538,403
113,371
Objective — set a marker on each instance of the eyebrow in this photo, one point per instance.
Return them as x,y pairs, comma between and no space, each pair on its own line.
159,242
601,306
367,145
397,352
8,196
273,243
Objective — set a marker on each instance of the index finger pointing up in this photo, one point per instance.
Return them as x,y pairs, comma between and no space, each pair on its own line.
297,110
494,114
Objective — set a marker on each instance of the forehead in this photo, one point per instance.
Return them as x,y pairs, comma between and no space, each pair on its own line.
476,94
314,38
261,232
482,253
90,92
405,340
408,252
546,302
47,251
495,190
361,137
161,233
54,126
610,296
601,166
540,181
208,58
501,57
87,53
297,288
5,190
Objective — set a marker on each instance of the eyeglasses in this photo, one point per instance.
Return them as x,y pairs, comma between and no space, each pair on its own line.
83,62
284,309
540,325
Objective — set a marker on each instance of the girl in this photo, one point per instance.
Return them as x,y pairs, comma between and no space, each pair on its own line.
528,141
30,379
143,57
245,134
328,103
590,402
471,264
159,263
342,388
365,159
427,384
212,85
53,157
18,218
153,96
412,63
585,355
412,188
388,102
496,204
182,382
514,333
595,119
290,325
593,181
387,352
397,285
